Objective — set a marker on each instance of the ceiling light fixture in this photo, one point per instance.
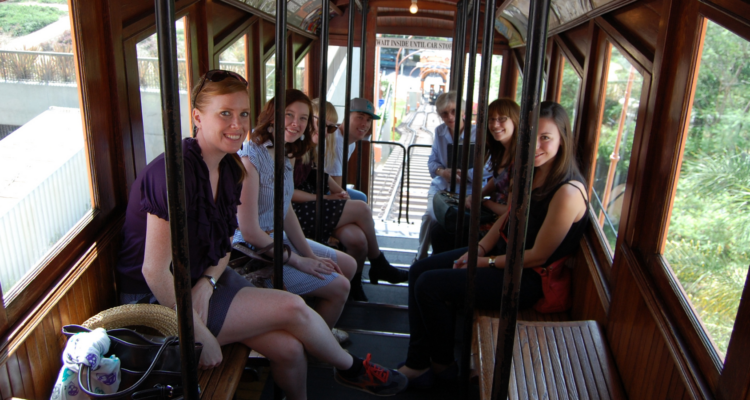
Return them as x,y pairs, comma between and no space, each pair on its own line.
413,8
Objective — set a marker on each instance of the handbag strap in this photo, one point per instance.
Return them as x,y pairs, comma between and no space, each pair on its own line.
261,254
83,368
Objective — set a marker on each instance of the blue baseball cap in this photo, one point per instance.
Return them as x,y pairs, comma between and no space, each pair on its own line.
364,106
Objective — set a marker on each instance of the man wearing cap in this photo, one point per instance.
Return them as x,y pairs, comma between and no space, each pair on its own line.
362,112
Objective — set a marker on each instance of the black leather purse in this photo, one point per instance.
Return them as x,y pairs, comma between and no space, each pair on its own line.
149,365
445,206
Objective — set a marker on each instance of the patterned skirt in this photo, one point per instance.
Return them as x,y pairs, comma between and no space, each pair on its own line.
332,210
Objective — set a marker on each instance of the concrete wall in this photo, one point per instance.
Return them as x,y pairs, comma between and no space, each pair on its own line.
20,102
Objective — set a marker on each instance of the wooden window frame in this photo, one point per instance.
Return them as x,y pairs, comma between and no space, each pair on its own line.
99,125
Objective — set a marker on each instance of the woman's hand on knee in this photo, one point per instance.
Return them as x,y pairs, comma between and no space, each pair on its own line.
211,354
461,262
317,266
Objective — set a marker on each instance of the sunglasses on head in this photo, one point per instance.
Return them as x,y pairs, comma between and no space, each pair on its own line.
218,75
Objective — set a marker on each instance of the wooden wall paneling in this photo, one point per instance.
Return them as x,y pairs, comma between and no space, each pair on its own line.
35,365
24,369
313,69
16,381
5,388
370,68
591,101
508,75
291,60
138,16
224,19
640,344
639,22
658,166
576,61
52,347
269,39
737,9
554,73
578,40
636,55
735,379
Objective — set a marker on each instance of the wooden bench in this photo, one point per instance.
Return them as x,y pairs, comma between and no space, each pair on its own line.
551,360
220,383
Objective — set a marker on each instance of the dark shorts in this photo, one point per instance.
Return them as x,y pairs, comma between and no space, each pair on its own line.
227,287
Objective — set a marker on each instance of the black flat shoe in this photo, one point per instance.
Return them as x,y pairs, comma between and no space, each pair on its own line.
388,273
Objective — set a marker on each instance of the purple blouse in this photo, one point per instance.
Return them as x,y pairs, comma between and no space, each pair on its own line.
502,185
210,224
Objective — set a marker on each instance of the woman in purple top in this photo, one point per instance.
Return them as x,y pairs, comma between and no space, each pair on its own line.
226,308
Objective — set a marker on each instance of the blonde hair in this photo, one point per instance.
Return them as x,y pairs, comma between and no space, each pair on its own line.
331,115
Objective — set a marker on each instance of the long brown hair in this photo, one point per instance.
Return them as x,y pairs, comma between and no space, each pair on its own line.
564,167
495,150
203,92
266,118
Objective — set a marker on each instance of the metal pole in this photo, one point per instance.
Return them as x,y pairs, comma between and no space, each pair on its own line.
467,124
362,59
173,162
521,193
278,146
348,96
456,37
323,80
488,39
460,57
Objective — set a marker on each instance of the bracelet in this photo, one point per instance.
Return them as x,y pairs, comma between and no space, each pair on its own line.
482,247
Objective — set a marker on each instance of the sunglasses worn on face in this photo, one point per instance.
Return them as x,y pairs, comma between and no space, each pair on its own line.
330,128
218,75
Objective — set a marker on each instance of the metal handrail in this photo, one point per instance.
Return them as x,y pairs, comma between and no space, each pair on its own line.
403,167
408,175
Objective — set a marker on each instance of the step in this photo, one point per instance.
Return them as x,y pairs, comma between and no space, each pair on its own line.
399,256
398,242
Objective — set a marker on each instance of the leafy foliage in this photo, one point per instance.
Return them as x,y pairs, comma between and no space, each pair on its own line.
19,20
709,233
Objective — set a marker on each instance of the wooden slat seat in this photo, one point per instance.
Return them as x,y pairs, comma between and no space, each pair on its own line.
221,382
551,360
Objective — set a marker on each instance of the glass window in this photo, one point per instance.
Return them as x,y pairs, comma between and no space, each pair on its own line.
270,77
495,71
709,231
300,75
571,85
148,75
621,101
233,57
44,174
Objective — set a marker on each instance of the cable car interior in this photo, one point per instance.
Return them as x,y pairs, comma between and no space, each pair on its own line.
657,92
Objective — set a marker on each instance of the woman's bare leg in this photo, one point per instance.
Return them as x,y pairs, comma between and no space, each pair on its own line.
255,312
288,362
355,241
359,213
348,265
331,299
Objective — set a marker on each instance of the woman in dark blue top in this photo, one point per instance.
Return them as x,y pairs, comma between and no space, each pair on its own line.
226,307
557,218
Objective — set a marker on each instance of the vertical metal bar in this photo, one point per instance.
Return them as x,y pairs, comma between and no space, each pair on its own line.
348,95
467,124
173,162
278,145
323,81
488,39
521,193
362,60
460,57
456,38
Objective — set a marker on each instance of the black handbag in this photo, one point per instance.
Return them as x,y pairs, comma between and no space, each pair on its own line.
149,365
445,206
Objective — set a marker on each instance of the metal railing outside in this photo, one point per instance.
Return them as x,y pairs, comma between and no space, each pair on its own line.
403,167
37,66
408,175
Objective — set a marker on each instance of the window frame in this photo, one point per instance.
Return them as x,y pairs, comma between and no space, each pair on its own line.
94,85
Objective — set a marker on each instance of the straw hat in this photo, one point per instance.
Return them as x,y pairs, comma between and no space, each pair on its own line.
155,316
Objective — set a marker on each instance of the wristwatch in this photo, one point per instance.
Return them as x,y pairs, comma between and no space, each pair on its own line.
492,262
211,280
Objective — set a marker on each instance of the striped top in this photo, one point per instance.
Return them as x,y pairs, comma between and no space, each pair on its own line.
261,158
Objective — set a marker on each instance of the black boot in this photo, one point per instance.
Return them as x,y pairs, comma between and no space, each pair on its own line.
380,268
357,292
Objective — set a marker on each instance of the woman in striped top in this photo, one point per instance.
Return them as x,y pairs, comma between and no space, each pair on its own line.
313,269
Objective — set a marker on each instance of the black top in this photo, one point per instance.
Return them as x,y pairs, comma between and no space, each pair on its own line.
537,213
210,224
